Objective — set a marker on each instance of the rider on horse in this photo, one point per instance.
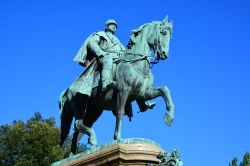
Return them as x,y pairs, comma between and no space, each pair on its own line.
103,47
134,80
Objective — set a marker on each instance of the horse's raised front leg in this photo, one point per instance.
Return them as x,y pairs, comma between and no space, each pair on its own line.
163,91
121,100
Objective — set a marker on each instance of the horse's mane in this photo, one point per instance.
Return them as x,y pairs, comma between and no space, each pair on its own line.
136,32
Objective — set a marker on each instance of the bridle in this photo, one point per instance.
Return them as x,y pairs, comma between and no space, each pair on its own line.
157,50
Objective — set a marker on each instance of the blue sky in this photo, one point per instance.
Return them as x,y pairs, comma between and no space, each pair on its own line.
207,72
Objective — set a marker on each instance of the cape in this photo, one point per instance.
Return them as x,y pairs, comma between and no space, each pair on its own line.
81,55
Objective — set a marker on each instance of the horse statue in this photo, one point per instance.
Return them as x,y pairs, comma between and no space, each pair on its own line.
134,81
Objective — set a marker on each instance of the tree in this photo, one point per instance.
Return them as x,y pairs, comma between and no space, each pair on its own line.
234,162
246,160
35,142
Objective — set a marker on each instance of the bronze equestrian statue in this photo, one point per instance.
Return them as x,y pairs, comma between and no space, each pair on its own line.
132,80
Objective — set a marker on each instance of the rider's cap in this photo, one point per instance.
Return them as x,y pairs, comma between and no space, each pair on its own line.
110,22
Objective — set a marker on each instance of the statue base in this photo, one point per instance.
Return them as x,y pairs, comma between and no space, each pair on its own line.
125,152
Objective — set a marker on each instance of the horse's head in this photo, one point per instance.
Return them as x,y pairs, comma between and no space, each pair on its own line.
159,37
151,36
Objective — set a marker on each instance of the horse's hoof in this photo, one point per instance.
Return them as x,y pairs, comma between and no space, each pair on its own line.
168,118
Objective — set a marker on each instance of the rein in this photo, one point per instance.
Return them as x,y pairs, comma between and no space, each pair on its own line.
142,57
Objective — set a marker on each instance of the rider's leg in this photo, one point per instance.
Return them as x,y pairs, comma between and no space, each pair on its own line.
106,74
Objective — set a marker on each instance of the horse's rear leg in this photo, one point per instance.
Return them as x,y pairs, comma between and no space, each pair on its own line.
163,91
75,140
85,129
92,114
121,100
80,106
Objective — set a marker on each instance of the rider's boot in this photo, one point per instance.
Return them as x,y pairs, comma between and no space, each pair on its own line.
145,106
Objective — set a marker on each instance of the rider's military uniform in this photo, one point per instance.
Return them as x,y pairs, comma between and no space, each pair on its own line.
105,47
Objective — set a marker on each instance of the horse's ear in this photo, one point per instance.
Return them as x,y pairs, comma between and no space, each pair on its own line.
171,24
171,28
165,21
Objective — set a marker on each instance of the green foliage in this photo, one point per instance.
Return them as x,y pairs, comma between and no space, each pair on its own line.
67,147
245,162
35,142
234,162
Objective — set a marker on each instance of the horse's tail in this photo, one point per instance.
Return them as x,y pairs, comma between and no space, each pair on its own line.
66,116
61,97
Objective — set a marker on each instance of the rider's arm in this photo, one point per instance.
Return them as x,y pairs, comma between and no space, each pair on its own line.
93,45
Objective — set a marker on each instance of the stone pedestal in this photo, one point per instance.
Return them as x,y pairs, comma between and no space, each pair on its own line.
128,152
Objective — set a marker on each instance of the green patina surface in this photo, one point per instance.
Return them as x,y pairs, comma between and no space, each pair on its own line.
130,81
97,148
